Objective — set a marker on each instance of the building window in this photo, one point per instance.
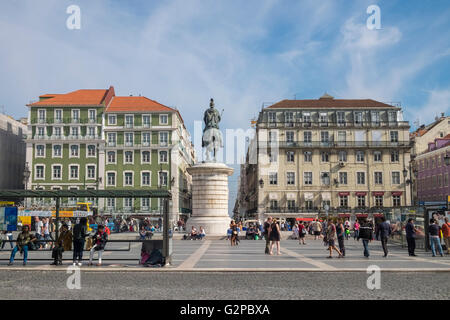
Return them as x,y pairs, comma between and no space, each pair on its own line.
290,156
41,132
307,176
163,119
163,157
308,204
396,201
377,156
92,115
343,178
111,202
57,132
291,204
290,136
91,151
273,204
359,156
323,119
111,157
358,118
308,156
361,201
324,138
273,156
145,203
272,117
76,115
145,178
325,156
129,138
343,201
307,137
340,118
111,178
40,150
111,139
74,132
41,115
91,172
290,176
395,177
128,156
378,177
394,136
307,118
360,178
112,119
325,178
342,156
163,138
146,138
273,178
378,201
73,172
163,178
289,118
273,136
145,156
57,150
129,121
74,151
146,121
58,115
394,156
128,179
56,172
91,132
128,203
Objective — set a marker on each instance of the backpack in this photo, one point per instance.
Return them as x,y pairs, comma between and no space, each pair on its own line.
155,258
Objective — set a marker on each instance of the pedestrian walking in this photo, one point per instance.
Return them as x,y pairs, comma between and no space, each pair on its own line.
340,234
63,243
356,230
274,236
331,238
266,229
301,233
234,233
99,239
366,234
435,240
383,233
317,227
24,240
79,237
411,230
446,234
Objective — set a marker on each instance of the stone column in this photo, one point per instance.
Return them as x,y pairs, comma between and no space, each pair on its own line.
210,198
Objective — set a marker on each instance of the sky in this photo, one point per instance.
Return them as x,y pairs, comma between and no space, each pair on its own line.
241,53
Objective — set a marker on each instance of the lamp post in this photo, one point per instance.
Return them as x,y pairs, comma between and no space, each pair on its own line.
407,182
26,177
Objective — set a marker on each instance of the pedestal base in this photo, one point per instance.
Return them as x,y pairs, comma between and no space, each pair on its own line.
210,198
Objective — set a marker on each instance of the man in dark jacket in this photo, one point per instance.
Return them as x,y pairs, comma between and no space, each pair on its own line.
366,234
383,233
267,225
79,236
411,236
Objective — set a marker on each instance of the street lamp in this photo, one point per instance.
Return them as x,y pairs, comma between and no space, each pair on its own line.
405,173
261,183
26,177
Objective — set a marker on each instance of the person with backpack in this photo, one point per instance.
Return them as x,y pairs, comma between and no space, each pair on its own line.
383,233
99,239
79,237
24,240
366,234
301,233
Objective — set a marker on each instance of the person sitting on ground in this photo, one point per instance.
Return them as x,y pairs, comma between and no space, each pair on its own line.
23,241
201,233
100,238
63,243
193,233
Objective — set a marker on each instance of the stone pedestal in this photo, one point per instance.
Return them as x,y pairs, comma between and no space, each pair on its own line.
210,198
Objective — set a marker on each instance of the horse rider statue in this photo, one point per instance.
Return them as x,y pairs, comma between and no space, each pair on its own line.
212,137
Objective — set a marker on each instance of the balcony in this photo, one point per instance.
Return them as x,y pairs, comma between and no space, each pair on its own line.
128,144
340,144
91,120
146,144
75,120
333,124
111,143
146,125
41,121
129,125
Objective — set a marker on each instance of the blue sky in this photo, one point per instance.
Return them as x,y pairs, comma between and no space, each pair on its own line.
242,53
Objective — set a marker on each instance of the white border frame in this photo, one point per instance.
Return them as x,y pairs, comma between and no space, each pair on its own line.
146,185
95,170
35,171
107,181
70,171
61,173
70,151
132,178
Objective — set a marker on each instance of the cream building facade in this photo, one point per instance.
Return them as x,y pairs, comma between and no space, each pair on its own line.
330,156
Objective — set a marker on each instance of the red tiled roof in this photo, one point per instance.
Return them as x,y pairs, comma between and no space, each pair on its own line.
136,104
331,103
81,97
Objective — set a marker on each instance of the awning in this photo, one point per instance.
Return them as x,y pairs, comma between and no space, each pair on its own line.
343,194
326,196
309,196
378,193
304,219
360,193
344,215
273,196
378,215
291,196
396,193
362,215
